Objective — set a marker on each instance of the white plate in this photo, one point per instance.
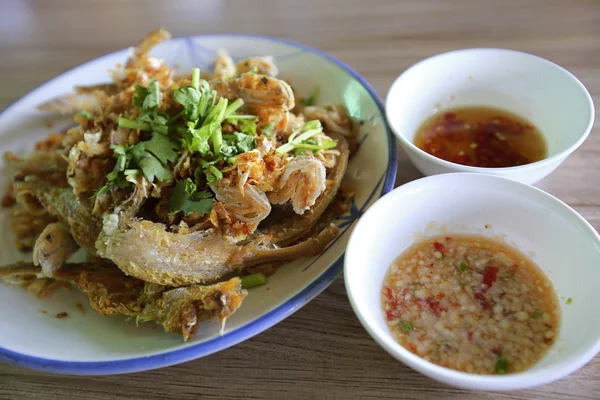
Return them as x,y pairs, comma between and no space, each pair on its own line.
85,343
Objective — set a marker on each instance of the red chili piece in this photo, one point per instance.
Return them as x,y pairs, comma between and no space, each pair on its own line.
431,305
389,316
461,159
484,303
440,247
490,275
389,295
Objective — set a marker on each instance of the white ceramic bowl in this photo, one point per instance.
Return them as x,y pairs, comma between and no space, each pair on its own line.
86,343
558,239
527,85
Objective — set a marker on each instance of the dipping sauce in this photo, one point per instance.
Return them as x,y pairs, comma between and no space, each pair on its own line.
472,304
481,137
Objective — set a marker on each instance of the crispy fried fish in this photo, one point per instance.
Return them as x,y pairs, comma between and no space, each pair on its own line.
148,252
111,292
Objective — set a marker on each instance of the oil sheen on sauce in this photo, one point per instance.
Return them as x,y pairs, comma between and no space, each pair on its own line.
481,136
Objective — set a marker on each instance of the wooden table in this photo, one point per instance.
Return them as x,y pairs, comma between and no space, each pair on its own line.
321,351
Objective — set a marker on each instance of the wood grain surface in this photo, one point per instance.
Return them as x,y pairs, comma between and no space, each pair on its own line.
321,351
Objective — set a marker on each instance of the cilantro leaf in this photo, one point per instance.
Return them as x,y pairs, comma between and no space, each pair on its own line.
150,119
148,163
189,98
139,96
237,143
190,186
152,98
248,126
267,130
182,200
161,146
197,139
116,177
152,168
244,142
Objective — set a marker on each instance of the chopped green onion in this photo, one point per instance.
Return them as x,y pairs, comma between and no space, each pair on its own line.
463,267
569,300
316,146
501,366
254,70
306,131
253,280
406,326
538,314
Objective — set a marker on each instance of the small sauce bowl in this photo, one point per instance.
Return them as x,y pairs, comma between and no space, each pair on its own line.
536,89
550,233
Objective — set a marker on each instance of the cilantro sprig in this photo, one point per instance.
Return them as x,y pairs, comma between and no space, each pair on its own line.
197,129
150,158
187,199
147,101
204,115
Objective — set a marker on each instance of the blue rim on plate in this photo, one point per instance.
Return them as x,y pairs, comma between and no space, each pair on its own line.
250,329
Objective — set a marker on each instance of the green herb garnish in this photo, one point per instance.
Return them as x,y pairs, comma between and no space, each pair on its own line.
150,158
83,114
312,99
267,130
463,267
406,326
185,198
253,280
204,114
569,300
197,129
299,139
147,101
501,365
538,314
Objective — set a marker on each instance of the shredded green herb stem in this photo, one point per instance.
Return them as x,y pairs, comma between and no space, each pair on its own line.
300,139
